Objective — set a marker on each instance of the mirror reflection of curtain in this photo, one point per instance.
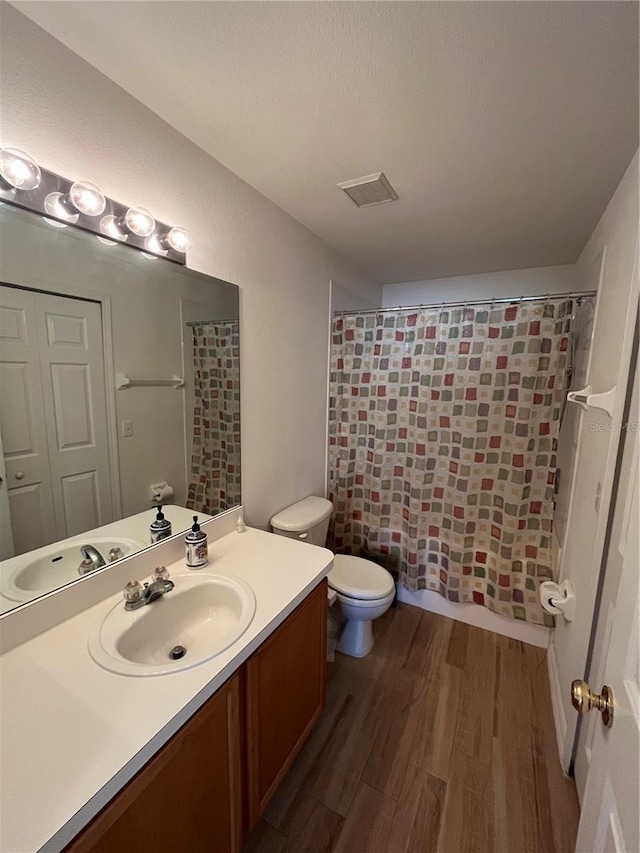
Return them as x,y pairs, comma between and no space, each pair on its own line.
443,437
215,459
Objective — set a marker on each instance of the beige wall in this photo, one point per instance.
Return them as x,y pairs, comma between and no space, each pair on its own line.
491,285
76,122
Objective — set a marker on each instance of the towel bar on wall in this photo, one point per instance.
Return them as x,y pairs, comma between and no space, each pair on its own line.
124,381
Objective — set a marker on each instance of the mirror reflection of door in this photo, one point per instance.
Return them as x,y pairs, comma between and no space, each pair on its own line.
53,416
6,534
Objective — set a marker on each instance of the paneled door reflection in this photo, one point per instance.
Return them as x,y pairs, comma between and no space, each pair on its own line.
53,416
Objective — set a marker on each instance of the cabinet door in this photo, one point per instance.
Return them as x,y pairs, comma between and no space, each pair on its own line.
285,693
188,798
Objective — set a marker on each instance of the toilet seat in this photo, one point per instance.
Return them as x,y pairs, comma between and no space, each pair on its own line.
366,603
361,580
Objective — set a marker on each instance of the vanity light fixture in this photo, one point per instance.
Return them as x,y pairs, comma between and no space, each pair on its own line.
54,207
83,197
154,243
18,170
81,203
109,227
178,239
138,221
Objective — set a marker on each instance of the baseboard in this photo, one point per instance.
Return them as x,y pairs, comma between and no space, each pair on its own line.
474,614
557,703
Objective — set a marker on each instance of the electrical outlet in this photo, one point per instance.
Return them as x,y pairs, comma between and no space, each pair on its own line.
126,429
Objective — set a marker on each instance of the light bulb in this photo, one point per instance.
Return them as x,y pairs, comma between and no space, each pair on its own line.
54,205
19,170
86,198
177,239
109,227
153,243
139,221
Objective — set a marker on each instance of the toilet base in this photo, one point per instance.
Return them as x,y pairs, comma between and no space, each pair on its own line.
357,638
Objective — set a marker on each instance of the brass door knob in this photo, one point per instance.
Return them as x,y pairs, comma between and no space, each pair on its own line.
584,699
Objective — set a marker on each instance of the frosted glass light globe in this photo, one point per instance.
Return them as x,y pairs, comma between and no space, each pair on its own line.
110,227
54,206
19,170
153,243
87,198
139,221
178,239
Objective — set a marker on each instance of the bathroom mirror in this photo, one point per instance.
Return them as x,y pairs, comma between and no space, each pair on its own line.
119,372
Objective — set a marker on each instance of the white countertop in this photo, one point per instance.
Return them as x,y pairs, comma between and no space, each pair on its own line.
72,734
134,527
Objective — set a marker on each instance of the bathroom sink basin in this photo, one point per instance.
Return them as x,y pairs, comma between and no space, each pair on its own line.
57,565
198,619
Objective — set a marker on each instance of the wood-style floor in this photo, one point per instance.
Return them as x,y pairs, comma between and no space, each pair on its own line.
441,739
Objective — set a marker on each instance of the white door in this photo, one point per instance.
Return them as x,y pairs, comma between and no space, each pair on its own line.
611,252
611,803
57,393
23,423
72,360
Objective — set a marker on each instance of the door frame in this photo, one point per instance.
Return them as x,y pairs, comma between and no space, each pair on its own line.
104,300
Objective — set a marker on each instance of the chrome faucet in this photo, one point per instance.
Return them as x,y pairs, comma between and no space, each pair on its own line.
135,595
92,560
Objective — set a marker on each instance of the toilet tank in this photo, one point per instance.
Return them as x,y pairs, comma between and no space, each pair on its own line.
306,520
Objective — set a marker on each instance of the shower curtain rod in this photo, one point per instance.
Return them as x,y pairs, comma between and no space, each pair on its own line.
470,302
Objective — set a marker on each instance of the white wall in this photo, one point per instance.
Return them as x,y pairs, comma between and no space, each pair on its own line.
78,123
491,285
343,299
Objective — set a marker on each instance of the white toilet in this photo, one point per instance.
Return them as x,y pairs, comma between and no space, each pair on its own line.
364,589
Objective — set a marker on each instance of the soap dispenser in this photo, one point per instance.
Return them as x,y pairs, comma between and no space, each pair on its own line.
160,527
196,545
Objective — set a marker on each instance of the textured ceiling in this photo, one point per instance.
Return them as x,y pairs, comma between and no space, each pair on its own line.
504,126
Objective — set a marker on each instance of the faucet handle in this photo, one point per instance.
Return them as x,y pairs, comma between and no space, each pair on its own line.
132,592
160,573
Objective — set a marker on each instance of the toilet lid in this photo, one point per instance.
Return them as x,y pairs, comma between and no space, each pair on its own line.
359,578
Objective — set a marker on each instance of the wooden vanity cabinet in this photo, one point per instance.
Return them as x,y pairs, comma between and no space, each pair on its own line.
200,792
188,798
285,686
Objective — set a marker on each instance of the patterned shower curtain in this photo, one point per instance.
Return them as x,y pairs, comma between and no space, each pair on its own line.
443,434
215,457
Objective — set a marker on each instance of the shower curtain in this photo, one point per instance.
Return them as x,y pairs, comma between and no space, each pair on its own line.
215,458
442,437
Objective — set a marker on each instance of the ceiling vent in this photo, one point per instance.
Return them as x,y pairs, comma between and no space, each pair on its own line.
370,190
